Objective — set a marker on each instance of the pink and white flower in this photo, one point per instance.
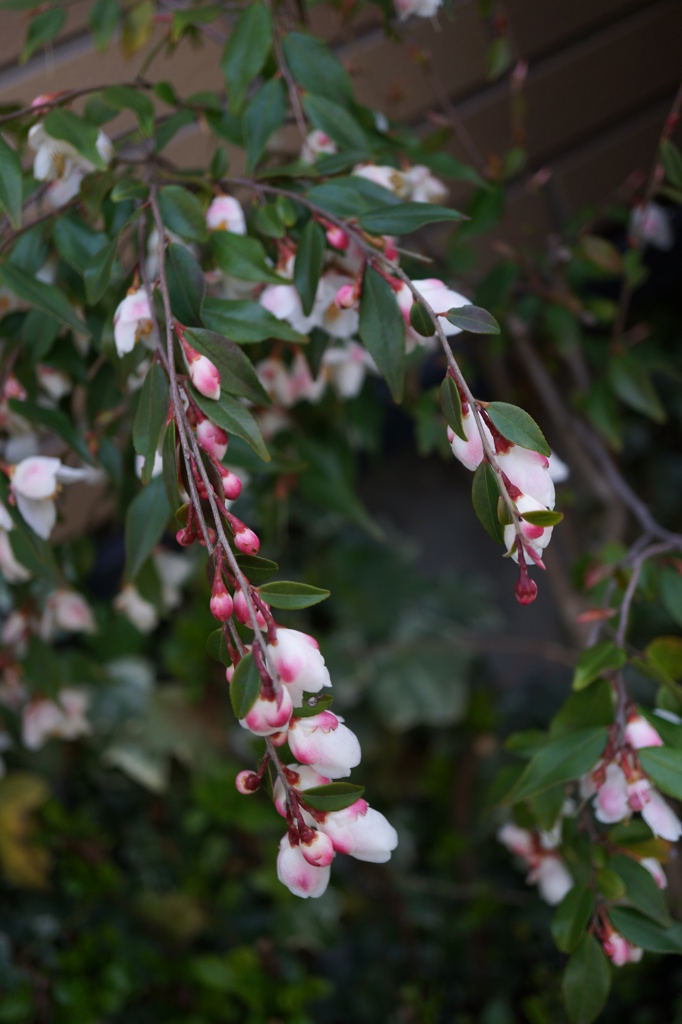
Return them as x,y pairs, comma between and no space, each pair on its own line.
295,659
529,472
346,367
325,743
203,373
59,163
140,612
132,321
361,832
316,144
439,297
387,177
420,8
35,484
68,611
469,452
537,537
300,877
64,718
619,950
639,733
650,225
225,214
269,715
424,187
212,439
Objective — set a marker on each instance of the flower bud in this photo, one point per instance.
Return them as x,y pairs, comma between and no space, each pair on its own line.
295,658
212,439
324,743
300,877
226,214
241,611
247,783
269,713
186,537
639,733
345,296
338,238
318,851
232,485
246,541
221,603
203,374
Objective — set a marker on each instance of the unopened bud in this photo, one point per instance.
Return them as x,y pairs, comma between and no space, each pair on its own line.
318,850
211,537
232,485
241,611
221,603
390,251
246,541
203,374
526,589
338,238
212,439
345,297
186,536
247,783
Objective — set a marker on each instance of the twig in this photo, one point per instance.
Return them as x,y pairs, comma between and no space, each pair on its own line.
294,98
73,94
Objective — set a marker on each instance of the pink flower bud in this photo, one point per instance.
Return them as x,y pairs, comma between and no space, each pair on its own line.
526,589
619,950
611,802
269,714
300,877
362,832
246,541
241,611
318,851
232,485
390,251
639,733
229,672
345,296
185,537
247,783
221,603
205,377
295,658
324,743
212,439
338,238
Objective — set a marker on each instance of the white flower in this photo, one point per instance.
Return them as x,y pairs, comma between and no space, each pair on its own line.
611,802
619,950
387,177
136,609
266,717
552,878
174,570
424,187
295,659
639,733
306,778
300,877
315,145
225,214
35,484
529,471
558,470
59,163
64,718
439,297
325,743
132,321
420,8
518,841
469,452
157,468
655,870
53,382
536,537
346,366
650,225
360,831
68,611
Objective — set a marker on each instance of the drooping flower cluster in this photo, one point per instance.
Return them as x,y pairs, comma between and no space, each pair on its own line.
539,850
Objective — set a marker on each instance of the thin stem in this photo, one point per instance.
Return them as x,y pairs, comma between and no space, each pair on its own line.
292,88
67,97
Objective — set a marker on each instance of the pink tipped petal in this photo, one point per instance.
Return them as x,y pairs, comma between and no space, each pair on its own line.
661,818
300,877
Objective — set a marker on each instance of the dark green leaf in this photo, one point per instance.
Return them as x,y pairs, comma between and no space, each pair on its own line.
350,196
67,126
518,427
39,333
103,18
291,595
267,221
382,329
586,982
474,320
498,58
237,375
245,686
666,652
420,320
242,257
170,467
186,285
246,51
333,796
41,29
308,264
451,404
98,274
152,412
146,520
246,322
232,416
192,16
76,242
593,706
565,758
10,183
525,744
169,128
265,112
641,890
484,496
129,188
632,384
56,420
216,647
543,517
182,213
46,297
571,918
314,704
336,122
664,767
124,97
403,218
641,931
256,569
595,661
610,885
315,67
672,162
670,590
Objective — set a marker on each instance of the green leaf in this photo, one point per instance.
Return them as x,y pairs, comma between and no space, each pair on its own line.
498,58
484,496
256,569
246,51
170,467
245,686
632,384
267,221
182,213
169,128
518,427
664,766
46,297
103,19
382,329
474,320
68,127
333,796
316,68
336,122
128,188
265,112
98,274
670,591
216,647
595,661
193,16
146,520
666,652
564,759
232,416
571,918
186,284
39,333
56,420
610,885
237,375
420,320
451,404
41,29
601,254
672,162
76,242
593,706
586,982
314,704
246,322
10,183
543,517
641,931
641,890
350,196
291,595
403,218
124,97
308,264
242,257
152,412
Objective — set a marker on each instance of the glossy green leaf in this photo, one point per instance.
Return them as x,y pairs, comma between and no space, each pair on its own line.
237,375
97,275
150,418
56,420
42,28
170,466
146,521
292,595
246,51
333,796
631,382
642,931
67,126
664,767
571,918
264,113
474,320
245,686
420,320
567,757
586,982
641,890
484,496
242,257
451,404
10,183
46,297
246,322
543,517
518,427
350,196
182,213
314,704
39,333
335,121
186,285
316,68
403,218
595,661
229,413
124,97
309,263
256,569
76,242
382,329
216,647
